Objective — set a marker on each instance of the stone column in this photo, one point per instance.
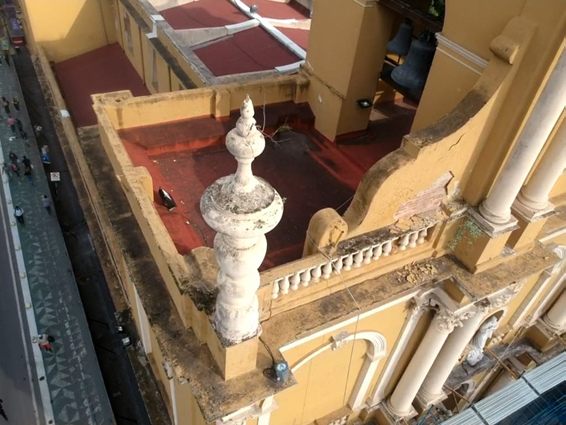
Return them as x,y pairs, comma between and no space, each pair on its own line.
555,317
242,208
534,195
496,208
432,388
400,402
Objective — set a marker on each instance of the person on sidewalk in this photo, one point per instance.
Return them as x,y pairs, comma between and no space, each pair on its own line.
6,104
6,50
45,341
19,214
12,123
46,204
19,125
2,412
7,169
16,103
13,157
28,167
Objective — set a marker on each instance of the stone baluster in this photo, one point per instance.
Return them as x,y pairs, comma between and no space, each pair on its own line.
305,277
368,254
422,236
358,258
387,247
327,270
377,251
242,209
338,264
413,237
348,261
295,280
284,285
400,402
275,290
316,273
403,242
497,206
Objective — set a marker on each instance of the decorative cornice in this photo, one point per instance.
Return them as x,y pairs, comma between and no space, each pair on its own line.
465,53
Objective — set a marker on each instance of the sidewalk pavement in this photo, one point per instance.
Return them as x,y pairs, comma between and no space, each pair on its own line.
77,391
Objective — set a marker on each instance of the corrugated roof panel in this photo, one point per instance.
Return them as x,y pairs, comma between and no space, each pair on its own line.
505,402
549,375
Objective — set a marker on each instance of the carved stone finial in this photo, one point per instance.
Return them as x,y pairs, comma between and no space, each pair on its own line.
242,208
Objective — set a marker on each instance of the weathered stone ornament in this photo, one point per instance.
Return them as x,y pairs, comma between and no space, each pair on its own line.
480,339
242,208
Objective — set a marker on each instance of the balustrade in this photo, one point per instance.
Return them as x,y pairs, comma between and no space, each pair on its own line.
303,277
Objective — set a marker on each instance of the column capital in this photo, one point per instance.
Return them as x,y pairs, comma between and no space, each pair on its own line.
445,321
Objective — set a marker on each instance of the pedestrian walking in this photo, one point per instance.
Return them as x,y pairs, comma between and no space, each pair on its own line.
45,341
2,412
6,104
19,125
7,169
28,167
19,214
16,103
12,123
46,204
13,157
6,50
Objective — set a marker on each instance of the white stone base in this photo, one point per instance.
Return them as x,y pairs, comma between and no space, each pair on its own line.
492,229
396,416
530,215
424,402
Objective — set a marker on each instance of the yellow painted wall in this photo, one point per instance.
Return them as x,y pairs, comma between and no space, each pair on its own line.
449,81
345,63
188,411
468,24
69,28
163,73
135,53
516,302
337,370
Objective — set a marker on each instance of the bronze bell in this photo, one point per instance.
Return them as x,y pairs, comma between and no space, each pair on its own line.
401,43
413,73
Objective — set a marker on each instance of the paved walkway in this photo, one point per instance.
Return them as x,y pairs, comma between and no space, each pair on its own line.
72,374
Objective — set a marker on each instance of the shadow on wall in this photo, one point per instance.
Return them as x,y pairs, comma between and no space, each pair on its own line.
66,29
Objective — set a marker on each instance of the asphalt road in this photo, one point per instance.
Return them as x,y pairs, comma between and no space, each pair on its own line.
18,379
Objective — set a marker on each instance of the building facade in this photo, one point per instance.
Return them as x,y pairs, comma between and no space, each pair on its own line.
440,284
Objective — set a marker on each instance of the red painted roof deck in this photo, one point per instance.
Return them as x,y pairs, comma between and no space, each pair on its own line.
252,50
299,36
279,10
185,157
103,70
203,14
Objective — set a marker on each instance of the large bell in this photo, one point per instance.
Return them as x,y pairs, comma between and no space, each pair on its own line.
401,43
413,73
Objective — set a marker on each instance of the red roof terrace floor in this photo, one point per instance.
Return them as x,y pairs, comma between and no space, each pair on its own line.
252,50
103,70
185,157
203,14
